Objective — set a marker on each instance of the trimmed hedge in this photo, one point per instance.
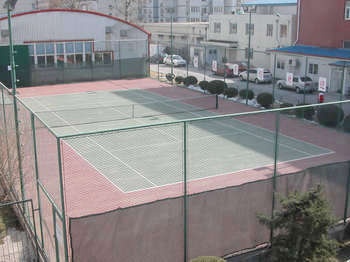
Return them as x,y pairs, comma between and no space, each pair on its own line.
244,94
204,85
216,87
207,259
265,99
190,80
170,76
330,115
179,79
286,105
346,124
307,112
231,92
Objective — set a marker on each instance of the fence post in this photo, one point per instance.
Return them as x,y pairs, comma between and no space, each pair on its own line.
37,176
18,143
185,187
60,168
277,126
346,197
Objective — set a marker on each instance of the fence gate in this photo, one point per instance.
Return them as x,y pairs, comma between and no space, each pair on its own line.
16,220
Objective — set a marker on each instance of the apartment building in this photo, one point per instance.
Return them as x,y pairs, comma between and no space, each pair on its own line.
322,46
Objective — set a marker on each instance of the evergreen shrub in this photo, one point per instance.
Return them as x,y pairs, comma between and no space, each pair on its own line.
265,99
190,80
244,94
330,115
230,92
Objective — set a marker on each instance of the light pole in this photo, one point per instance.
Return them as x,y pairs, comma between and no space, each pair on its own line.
10,5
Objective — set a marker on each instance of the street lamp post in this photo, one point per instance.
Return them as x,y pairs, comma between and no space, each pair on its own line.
10,5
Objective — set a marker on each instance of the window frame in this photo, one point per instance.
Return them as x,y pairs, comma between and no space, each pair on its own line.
313,69
217,27
269,30
233,28
347,10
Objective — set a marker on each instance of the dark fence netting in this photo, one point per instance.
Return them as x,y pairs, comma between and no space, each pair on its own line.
218,222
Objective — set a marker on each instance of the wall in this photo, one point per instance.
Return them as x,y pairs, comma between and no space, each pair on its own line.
327,15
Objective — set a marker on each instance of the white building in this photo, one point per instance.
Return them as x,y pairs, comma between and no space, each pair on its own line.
66,45
228,36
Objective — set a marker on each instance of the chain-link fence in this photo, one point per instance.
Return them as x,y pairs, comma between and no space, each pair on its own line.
166,191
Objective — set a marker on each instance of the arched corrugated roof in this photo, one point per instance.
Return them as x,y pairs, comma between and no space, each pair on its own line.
78,11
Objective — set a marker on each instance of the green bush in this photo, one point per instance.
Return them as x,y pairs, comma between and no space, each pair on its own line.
190,80
265,99
204,85
346,124
216,87
244,94
330,115
231,92
307,112
207,259
179,79
286,105
170,76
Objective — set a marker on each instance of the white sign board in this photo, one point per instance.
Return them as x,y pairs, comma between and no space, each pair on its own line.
195,61
260,72
289,79
322,84
214,65
235,69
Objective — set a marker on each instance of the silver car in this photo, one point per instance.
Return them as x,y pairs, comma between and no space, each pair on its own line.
176,60
253,76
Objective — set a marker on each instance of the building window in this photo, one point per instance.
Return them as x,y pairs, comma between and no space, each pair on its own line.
251,29
280,64
283,31
269,29
313,69
58,53
233,28
347,10
217,27
346,44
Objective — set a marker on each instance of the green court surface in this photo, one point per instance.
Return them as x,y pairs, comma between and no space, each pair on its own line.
149,157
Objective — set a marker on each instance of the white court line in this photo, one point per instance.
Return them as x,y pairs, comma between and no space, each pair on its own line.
218,175
93,141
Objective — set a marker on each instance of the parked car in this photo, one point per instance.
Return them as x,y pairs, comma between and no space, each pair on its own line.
299,84
253,76
224,70
157,58
176,60
227,69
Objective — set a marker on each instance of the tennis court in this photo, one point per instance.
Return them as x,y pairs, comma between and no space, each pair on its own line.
152,156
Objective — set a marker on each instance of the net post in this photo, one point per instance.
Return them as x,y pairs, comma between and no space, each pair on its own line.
216,101
133,111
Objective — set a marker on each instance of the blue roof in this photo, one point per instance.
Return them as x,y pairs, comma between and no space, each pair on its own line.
338,53
270,2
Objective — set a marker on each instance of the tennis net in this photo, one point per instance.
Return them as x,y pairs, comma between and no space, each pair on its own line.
82,116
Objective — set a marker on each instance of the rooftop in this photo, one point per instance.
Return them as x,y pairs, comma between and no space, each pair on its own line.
270,2
338,53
